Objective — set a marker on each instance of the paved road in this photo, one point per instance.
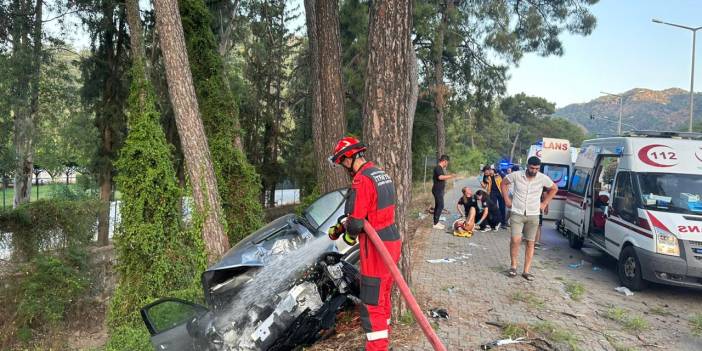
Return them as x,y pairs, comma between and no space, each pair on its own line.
475,290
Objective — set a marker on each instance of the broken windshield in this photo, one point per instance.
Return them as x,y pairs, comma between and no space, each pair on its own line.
680,193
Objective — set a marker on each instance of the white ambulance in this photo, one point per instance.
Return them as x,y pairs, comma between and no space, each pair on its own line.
556,162
639,198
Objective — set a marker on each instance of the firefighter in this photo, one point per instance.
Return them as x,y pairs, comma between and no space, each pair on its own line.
371,198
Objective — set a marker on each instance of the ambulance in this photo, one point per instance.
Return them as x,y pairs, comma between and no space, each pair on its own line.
638,198
556,162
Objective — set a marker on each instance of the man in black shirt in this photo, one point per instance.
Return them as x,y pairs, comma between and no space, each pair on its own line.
473,207
438,188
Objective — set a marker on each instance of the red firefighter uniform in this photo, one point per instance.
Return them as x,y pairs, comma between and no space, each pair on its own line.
372,198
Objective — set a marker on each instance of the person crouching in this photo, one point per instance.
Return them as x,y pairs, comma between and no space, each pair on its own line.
473,209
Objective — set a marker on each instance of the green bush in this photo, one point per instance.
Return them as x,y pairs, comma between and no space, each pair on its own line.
49,225
49,289
50,237
129,338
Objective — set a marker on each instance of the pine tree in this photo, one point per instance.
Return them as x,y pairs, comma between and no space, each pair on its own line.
389,100
190,128
238,183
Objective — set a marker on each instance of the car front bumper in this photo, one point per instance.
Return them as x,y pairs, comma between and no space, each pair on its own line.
668,270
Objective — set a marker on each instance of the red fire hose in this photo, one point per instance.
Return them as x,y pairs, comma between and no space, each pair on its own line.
404,289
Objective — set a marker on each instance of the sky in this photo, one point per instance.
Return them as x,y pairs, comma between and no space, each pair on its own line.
625,51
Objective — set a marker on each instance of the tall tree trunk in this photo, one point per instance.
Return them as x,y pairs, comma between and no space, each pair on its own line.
135,30
389,94
190,128
26,117
471,130
514,144
331,92
439,88
105,178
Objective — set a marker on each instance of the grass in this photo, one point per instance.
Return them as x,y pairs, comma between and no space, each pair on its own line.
616,345
633,324
574,289
407,319
513,331
45,191
556,334
531,300
658,310
696,324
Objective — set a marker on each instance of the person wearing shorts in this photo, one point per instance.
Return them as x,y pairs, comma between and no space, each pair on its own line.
525,206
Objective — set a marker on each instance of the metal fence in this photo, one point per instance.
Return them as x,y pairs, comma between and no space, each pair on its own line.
42,187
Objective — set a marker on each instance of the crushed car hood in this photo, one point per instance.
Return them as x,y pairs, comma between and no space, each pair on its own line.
280,236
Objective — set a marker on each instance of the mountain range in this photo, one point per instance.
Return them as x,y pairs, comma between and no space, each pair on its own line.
643,109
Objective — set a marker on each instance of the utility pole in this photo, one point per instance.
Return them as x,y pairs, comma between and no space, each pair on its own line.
692,73
621,105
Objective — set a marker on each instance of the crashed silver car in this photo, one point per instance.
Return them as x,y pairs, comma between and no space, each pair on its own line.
279,288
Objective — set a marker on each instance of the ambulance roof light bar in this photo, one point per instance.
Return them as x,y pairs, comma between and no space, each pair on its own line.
662,134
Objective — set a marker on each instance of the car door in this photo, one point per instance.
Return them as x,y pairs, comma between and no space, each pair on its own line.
167,321
623,215
574,209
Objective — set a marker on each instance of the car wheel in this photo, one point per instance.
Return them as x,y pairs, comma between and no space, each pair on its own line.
575,241
629,269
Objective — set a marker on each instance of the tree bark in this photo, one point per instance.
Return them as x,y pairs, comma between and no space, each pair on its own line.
190,129
313,58
514,144
105,191
26,117
135,30
440,89
390,92
331,92
471,130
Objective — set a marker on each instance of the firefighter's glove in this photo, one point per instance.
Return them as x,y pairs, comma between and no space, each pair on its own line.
349,239
336,231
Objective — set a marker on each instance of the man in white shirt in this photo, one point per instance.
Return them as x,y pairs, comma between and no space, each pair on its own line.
525,207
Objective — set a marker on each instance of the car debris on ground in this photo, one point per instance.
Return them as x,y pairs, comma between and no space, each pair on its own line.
501,342
624,290
442,260
441,313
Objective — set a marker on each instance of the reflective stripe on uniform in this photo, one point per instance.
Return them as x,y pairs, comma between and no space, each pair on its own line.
377,335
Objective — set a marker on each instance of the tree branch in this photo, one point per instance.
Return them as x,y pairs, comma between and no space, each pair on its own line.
61,15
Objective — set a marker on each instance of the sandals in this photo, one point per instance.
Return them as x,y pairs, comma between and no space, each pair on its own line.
512,272
528,276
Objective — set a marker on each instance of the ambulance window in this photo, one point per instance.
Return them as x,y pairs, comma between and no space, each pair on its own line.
579,181
557,173
624,204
